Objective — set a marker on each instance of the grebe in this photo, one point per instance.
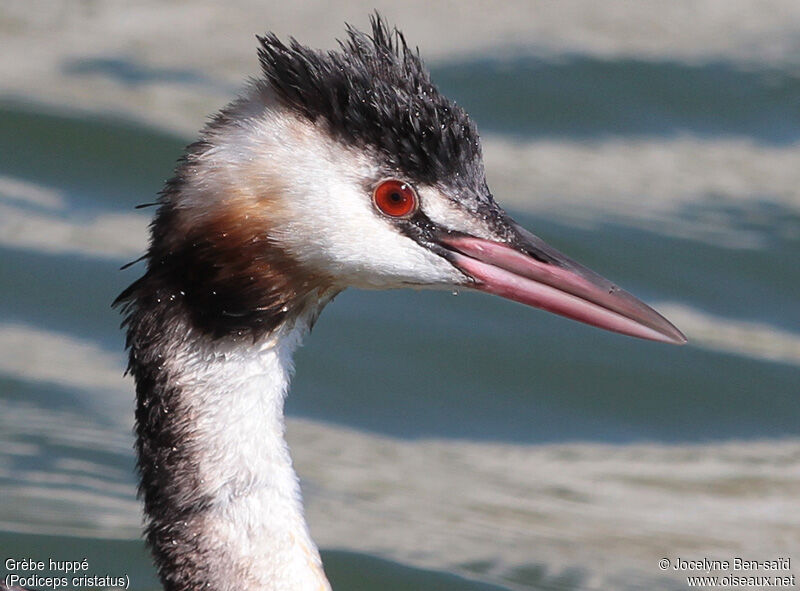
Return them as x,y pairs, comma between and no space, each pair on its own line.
334,170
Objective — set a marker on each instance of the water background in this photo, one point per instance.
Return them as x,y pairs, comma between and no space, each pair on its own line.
626,451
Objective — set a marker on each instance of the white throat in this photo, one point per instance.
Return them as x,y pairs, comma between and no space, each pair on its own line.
253,535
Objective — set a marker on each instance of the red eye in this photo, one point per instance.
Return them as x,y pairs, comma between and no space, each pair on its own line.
395,198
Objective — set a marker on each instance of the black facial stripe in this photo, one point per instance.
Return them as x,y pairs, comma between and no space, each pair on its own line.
420,228
423,230
427,233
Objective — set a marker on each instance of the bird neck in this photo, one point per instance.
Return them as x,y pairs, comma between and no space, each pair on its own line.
222,502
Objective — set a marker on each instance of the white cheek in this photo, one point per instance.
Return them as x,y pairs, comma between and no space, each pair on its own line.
342,232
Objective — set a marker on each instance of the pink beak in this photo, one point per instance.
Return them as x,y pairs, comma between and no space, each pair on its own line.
537,275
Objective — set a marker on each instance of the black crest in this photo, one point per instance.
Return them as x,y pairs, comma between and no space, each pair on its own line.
376,92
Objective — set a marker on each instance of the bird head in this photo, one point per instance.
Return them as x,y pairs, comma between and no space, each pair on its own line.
349,168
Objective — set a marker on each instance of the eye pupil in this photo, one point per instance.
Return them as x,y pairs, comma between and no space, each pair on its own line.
395,198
